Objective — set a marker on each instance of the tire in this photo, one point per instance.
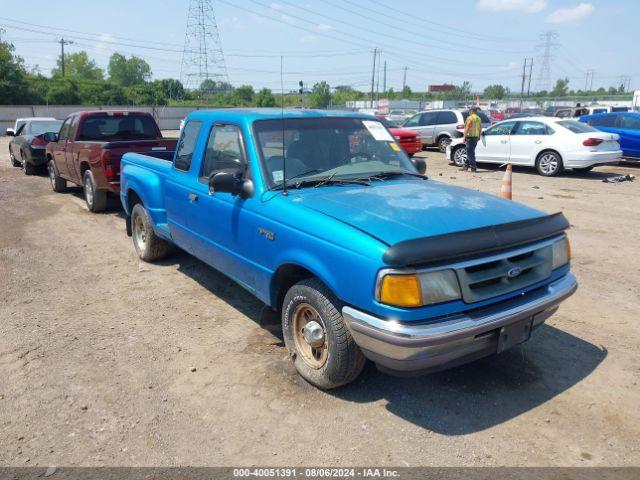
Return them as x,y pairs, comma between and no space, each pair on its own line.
338,360
549,164
27,168
148,245
583,169
58,184
443,143
459,156
14,161
96,199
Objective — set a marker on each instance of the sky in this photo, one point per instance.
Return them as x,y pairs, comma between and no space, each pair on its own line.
480,41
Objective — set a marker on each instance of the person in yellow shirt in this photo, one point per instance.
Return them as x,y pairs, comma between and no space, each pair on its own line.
472,132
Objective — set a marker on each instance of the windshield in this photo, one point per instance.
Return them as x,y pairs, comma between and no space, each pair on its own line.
335,147
38,128
105,128
577,127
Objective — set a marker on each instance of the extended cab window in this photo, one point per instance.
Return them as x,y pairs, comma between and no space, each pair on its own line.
64,130
187,145
224,151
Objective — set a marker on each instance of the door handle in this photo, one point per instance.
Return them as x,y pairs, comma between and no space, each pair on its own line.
503,141
193,197
538,141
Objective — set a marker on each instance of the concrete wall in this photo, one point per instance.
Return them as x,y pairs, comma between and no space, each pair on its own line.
167,117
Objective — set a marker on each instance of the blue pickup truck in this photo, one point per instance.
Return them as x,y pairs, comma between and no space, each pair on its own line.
323,217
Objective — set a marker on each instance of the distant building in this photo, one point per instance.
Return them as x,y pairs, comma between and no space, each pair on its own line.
441,88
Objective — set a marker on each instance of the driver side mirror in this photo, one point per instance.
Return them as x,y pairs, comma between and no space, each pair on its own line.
420,164
230,182
50,137
10,132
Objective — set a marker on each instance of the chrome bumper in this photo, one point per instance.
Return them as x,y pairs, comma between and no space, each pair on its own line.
440,344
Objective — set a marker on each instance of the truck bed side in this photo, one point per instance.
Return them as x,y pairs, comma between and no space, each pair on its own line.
145,176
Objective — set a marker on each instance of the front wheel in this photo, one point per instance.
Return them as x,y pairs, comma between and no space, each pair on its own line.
149,246
460,156
549,164
14,160
323,351
96,199
58,184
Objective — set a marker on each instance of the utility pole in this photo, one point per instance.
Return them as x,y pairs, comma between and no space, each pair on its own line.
378,77
524,76
373,74
530,72
62,43
404,78
2,32
384,81
588,84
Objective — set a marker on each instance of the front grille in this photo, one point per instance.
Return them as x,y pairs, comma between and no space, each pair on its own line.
483,279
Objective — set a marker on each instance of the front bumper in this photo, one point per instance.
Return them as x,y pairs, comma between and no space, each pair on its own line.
453,340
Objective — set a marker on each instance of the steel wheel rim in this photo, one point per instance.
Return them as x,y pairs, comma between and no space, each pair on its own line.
460,156
548,163
139,232
314,357
88,191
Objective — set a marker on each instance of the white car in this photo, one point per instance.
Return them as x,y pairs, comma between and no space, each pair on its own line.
22,121
547,143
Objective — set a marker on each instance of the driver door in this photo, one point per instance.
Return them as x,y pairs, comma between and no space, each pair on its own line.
60,149
223,228
494,145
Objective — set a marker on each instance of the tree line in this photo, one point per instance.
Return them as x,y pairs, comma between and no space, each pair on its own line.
127,81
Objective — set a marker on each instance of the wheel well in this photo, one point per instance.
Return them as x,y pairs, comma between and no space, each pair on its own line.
441,136
84,166
132,199
285,277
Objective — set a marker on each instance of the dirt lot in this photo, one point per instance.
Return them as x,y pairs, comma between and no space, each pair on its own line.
97,348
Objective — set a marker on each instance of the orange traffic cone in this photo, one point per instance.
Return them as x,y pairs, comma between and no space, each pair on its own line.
505,191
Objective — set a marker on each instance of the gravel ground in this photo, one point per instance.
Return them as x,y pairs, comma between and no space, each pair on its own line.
105,360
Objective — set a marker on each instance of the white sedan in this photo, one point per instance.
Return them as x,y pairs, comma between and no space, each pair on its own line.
547,143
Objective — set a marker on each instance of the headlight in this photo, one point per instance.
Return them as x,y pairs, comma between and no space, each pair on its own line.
417,289
561,253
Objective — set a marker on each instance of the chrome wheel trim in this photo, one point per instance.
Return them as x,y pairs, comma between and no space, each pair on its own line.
88,191
460,156
549,163
52,174
139,233
316,355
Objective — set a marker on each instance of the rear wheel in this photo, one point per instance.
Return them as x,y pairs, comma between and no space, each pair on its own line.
148,245
549,164
96,199
27,168
460,156
14,161
323,351
58,184
443,143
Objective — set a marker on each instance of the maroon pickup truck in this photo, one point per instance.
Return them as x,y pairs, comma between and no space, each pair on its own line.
89,146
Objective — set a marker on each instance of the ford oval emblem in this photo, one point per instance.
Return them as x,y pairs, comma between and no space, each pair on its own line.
514,272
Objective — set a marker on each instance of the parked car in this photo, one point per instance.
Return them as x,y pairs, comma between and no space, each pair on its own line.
27,147
494,114
510,111
87,150
397,116
547,143
626,125
438,127
408,139
323,217
21,121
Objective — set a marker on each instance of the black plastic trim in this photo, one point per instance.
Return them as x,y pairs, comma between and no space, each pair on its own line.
472,242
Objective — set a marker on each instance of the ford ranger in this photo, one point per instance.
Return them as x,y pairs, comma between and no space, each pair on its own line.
89,145
324,218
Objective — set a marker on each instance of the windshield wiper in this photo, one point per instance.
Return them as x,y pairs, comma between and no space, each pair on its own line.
390,173
321,181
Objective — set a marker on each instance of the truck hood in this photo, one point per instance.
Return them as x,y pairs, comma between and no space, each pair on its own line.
396,210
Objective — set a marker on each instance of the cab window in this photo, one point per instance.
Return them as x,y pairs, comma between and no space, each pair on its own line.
225,152
187,145
64,130
605,121
627,122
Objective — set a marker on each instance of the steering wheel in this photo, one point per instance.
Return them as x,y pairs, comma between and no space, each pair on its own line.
351,156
